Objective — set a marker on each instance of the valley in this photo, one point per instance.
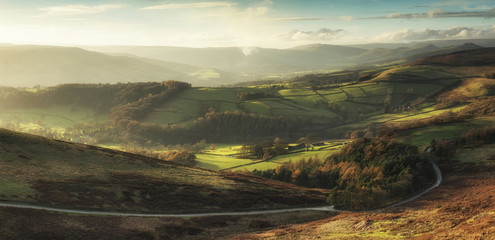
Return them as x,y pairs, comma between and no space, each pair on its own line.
262,119
174,158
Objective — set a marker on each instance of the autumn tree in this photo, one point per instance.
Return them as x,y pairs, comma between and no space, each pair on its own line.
213,147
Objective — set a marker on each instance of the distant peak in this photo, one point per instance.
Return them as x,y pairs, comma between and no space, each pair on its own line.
470,45
429,46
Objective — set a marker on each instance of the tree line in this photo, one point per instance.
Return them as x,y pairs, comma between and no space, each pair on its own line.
365,174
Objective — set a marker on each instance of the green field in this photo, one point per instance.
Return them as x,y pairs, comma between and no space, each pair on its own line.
219,162
225,157
354,99
423,136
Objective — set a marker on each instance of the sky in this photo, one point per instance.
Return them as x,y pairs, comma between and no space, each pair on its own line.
261,23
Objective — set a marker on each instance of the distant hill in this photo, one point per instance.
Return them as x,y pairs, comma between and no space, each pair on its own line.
405,54
438,43
251,60
27,66
256,63
474,57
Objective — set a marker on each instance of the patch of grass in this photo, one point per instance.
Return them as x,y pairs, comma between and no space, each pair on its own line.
218,162
354,91
296,92
261,165
423,136
256,107
478,154
175,110
15,191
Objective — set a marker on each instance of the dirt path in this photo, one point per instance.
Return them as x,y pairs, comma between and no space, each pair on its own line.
239,213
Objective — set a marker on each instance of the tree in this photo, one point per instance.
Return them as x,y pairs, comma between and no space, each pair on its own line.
354,135
332,196
213,147
308,140
280,146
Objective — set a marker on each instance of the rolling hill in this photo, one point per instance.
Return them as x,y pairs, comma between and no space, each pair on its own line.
246,60
477,57
27,66
256,62
40,171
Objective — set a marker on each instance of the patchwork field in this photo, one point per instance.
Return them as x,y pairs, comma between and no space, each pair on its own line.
352,99
228,157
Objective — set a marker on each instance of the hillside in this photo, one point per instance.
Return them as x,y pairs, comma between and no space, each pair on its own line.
27,66
478,57
438,43
461,208
46,172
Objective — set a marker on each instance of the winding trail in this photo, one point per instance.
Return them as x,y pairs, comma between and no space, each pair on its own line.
239,213
438,173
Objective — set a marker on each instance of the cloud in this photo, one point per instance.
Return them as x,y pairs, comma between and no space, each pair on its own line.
346,18
457,32
190,5
299,19
323,34
78,9
439,14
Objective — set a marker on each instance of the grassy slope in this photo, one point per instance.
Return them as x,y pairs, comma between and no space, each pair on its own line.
354,99
462,208
47,172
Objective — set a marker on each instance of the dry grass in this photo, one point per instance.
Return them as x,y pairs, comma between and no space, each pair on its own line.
463,207
38,170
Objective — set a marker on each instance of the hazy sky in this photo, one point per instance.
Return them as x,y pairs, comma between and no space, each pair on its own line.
265,23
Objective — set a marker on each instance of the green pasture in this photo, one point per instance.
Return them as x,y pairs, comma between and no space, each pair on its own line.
354,91
426,111
305,100
423,136
219,162
256,107
321,153
224,157
376,88
296,92
334,98
175,110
